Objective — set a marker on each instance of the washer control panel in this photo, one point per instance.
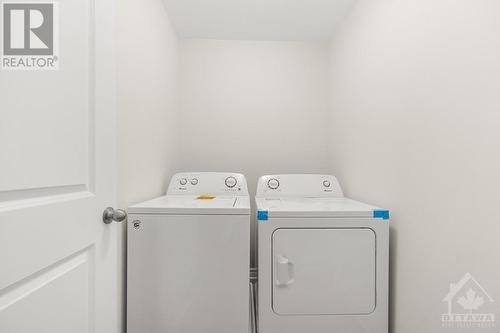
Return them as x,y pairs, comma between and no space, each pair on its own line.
217,183
299,185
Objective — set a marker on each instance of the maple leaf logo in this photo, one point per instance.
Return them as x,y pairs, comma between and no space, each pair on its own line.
470,301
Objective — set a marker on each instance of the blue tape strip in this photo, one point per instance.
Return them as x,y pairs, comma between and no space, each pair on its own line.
381,214
262,215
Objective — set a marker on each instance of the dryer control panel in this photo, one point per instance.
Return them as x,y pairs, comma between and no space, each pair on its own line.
217,183
299,185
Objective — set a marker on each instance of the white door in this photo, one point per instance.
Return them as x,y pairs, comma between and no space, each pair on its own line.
323,271
58,261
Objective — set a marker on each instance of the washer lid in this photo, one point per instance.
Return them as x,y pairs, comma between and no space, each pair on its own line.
194,205
315,207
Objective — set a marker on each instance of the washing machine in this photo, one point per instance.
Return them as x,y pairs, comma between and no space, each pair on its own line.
188,257
323,259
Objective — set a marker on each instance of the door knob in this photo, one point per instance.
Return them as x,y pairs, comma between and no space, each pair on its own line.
110,214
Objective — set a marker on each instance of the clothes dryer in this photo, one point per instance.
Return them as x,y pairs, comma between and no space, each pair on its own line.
323,258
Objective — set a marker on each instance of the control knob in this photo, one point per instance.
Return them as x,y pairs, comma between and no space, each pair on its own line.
273,183
231,182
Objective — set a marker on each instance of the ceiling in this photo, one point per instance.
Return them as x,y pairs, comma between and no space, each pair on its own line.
257,19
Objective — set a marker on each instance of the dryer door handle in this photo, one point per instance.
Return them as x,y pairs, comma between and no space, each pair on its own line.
284,271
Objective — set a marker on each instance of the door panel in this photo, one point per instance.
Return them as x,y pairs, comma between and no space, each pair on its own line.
58,261
39,233
323,271
30,305
47,116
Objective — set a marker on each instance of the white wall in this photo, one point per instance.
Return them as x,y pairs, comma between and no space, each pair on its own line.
147,101
253,107
415,124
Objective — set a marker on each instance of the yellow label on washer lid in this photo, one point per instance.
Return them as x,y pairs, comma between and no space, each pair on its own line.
205,197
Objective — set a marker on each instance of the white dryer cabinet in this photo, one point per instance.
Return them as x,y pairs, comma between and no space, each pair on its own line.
323,258
189,257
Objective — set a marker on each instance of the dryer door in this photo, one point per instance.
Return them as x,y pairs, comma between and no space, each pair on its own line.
323,271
